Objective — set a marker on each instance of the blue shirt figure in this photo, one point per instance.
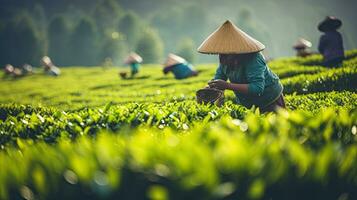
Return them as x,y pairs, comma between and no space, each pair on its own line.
133,60
134,68
264,86
243,65
179,67
331,43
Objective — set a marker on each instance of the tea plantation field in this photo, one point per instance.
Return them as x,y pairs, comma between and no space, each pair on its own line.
88,134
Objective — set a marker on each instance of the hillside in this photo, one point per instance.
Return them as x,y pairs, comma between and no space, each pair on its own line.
87,134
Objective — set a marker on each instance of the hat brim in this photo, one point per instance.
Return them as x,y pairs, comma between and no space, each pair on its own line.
229,52
229,39
330,24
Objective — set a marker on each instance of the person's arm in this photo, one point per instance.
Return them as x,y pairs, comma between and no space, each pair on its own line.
167,69
236,87
255,78
224,85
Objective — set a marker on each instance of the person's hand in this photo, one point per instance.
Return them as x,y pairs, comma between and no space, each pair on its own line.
218,84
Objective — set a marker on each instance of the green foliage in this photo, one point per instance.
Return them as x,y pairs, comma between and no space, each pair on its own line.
107,13
130,26
59,41
84,43
259,158
334,79
291,70
113,48
37,123
150,46
96,136
317,101
187,49
20,41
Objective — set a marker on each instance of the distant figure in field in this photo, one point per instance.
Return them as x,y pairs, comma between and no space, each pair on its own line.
179,67
17,73
133,60
242,63
27,69
331,44
302,48
9,69
49,67
12,71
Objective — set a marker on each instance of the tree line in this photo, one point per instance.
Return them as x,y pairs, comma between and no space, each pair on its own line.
80,33
107,32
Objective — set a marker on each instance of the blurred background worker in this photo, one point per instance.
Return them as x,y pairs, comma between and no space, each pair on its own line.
133,60
8,70
27,69
302,47
179,67
49,67
11,71
331,44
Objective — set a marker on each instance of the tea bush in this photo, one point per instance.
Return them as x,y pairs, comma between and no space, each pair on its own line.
89,135
258,158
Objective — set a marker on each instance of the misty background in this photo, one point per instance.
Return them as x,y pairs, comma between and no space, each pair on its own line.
96,32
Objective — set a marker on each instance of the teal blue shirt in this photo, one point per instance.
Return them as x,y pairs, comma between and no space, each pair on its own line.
182,70
264,86
134,67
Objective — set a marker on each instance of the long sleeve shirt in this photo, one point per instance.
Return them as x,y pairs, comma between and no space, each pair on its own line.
134,67
331,46
181,70
264,86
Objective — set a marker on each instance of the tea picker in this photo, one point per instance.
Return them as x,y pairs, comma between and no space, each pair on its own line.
49,67
302,48
8,69
27,69
242,63
133,60
14,72
331,43
179,67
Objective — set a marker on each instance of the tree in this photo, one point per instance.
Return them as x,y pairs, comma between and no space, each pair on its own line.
107,14
187,49
150,46
114,48
246,22
130,26
20,42
84,42
58,38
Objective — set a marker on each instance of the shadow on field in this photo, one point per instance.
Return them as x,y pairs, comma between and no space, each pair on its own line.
139,77
102,86
163,78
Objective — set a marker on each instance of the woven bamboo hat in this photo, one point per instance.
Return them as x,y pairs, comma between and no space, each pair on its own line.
173,59
46,61
133,58
329,23
229,39
302,44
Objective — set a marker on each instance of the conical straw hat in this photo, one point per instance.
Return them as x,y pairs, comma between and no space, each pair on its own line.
329,23
229,39
133,58
173,59
302,43
46,61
